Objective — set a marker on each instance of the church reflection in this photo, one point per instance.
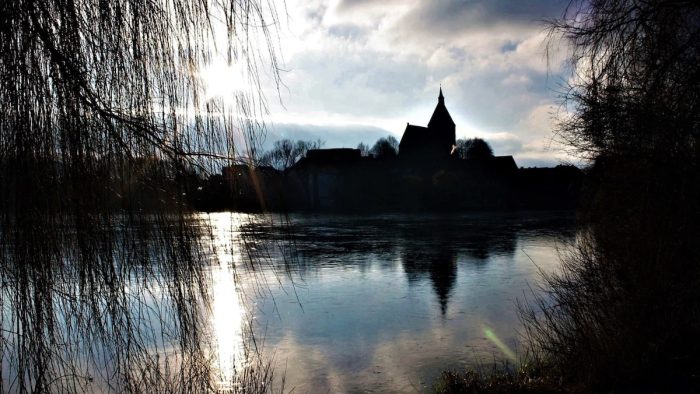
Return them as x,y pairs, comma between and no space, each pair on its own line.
440,247
428,248
440,265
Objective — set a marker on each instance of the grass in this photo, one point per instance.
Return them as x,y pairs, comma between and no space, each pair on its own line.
500,379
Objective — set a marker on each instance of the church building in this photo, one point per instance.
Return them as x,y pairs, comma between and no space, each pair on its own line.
433,142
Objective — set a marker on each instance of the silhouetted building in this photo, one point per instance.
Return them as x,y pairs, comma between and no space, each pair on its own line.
433,142
324,176
251,189
439,264
426,176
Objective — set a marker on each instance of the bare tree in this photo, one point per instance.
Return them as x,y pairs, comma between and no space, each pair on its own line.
385,147
363,148
285,153
634,90
616,315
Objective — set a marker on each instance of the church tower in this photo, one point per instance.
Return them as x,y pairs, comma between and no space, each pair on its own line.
442,125
432,142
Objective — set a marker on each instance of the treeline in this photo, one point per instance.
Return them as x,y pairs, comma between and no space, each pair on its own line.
370,182
285,153
376,179
110,184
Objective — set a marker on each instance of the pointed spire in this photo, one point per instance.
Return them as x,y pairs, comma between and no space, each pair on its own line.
441,114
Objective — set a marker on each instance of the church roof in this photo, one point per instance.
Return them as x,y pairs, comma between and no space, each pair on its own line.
414,137
441,115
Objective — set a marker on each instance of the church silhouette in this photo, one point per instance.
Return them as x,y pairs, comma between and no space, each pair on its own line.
427,175
436,141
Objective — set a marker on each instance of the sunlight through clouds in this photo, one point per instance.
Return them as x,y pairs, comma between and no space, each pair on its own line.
379,65
222,80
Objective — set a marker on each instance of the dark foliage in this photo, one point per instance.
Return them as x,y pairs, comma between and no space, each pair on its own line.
473,148
384,148
498,381
620,314
363,148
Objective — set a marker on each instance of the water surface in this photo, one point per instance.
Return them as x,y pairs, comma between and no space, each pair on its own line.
380,303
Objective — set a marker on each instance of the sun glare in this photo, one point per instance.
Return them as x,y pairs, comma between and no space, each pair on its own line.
222,80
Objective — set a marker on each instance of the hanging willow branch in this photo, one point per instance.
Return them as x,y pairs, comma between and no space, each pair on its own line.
103,116
92,83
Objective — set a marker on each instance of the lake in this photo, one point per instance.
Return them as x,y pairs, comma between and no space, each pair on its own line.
309,303
378,303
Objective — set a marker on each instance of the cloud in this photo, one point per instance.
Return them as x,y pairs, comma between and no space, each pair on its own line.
378,65
333,136
504,144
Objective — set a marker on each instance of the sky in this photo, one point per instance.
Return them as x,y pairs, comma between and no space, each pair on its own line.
357,70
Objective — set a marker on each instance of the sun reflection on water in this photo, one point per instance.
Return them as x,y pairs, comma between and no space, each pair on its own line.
228,311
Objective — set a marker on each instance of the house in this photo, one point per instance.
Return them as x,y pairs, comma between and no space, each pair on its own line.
322,178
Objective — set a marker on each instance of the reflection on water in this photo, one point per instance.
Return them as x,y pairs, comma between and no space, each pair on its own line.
155,307
227,318
440,266
387,302
329,303
227,310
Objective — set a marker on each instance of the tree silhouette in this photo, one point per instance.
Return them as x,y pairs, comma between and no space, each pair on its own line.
634,91
617,315
364,149
285,153
473,148
385,147
85,81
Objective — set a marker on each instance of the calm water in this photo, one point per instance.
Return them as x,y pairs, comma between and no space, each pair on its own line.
333,303
376,303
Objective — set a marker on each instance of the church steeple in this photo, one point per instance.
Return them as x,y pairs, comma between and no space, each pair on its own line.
434,141
441,116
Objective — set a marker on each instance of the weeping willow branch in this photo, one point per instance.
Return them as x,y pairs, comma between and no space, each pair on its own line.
103,108
86,80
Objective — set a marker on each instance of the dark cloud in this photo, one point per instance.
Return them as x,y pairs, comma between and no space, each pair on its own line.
463,14
527,10
453,17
